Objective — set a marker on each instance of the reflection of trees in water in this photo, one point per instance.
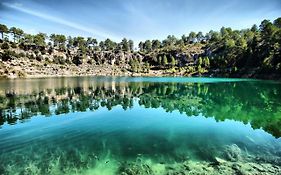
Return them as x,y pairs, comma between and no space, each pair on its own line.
249,102
61,101
255,103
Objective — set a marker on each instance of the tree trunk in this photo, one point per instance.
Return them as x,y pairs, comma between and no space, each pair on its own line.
14,38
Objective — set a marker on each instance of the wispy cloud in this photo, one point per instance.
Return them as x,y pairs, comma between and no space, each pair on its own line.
21,8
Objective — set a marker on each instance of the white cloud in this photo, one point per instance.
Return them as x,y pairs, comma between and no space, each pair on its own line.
19,7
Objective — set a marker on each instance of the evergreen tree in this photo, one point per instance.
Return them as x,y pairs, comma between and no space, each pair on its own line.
3,29
131,45
165,61
156,44
39,39
125,45
160,60
173,61
147,46
141,46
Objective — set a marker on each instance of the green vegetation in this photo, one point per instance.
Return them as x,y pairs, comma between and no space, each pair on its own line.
226,52
3,30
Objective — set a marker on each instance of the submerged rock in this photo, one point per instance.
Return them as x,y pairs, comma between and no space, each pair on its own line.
134,168
232,153
219,160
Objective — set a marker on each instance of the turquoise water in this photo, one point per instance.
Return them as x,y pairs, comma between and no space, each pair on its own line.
126,125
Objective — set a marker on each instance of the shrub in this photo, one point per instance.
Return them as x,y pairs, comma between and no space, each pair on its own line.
5,46
135,65
22,54
50,50
90,61
14,45
37,52
77,60
21,74
39,57
22,46
59,60
43,51
31,56
8,55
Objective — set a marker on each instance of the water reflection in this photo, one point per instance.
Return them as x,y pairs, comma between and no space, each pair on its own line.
107,125
254,102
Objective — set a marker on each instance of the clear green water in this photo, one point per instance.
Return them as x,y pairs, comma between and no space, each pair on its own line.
110,125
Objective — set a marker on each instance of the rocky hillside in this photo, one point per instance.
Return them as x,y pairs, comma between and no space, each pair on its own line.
19,61
254,52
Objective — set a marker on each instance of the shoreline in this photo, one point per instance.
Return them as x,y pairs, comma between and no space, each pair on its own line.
23,68
38,76
158,74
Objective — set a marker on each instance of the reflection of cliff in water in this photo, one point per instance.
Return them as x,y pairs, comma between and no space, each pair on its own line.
256,103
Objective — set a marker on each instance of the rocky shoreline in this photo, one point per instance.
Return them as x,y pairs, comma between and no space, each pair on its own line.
25,68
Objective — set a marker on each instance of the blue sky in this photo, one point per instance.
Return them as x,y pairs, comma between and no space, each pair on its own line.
134,19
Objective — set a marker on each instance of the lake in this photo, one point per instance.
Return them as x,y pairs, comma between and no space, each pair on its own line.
140,125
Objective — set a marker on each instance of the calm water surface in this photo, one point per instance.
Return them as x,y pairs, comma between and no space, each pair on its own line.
109,125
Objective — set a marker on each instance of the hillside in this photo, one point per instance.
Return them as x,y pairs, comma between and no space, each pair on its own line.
254,53
20,63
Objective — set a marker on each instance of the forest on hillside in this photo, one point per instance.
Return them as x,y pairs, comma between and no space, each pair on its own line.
233,51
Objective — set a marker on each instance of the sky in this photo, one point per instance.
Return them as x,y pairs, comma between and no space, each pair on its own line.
134,19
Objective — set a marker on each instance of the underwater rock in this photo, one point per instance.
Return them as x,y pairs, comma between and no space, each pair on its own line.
232,153
236,166
219,161
186,166
259,168
272,159
134,168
